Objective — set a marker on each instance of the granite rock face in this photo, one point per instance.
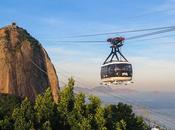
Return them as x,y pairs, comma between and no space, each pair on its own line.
25,67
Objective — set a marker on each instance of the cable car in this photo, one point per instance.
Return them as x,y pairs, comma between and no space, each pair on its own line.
119,70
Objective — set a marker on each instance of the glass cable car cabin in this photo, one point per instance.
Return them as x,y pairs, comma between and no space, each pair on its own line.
119,70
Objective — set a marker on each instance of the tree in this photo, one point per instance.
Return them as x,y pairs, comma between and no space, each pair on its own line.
45,111
6,123
78,118
139,123
85,124
79,104
125,112
7,104
100,119
47,126
23,116
111,116
94,103
66,105
121,125
78,113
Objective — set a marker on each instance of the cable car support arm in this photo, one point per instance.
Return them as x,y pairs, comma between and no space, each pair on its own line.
117,43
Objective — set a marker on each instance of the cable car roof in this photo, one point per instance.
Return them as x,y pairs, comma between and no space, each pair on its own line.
116,62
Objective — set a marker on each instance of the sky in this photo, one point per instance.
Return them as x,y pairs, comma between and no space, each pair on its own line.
153,58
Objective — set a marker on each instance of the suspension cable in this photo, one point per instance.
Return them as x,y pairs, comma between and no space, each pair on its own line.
122,32
129,38
150,34
38,67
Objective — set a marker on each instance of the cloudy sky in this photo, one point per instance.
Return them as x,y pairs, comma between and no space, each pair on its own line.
153,58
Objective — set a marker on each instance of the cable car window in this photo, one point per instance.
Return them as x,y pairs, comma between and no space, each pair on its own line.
125,74
111,70
125,67
116,70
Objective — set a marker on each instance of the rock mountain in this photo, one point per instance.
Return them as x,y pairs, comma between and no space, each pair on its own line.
25,67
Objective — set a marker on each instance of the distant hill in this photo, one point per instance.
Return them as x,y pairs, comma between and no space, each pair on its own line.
105,90
155,105
155,99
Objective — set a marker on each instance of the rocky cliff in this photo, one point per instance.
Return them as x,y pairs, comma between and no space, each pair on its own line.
25,67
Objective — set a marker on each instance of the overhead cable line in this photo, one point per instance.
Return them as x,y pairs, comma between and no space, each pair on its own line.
165,36
155,38
152,33
39,68
80,41
68,74
121,32
129,38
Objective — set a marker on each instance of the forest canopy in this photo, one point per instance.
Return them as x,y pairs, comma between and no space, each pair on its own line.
73,112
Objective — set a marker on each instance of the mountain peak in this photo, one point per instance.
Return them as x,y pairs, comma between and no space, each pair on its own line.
25,67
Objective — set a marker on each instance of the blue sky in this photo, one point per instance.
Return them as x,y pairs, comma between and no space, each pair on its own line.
49,21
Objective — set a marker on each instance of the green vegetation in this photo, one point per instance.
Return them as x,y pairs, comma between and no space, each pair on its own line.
73,112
